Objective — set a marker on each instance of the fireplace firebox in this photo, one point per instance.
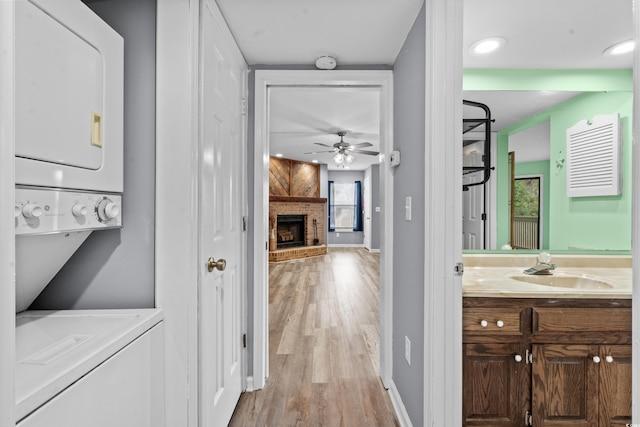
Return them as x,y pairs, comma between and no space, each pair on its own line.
291,231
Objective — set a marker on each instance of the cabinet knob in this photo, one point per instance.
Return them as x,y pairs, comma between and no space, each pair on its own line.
484,323
596,359
609,359
518,358
499,323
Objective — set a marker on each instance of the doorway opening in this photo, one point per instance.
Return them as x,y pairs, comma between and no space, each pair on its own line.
526,213
265,81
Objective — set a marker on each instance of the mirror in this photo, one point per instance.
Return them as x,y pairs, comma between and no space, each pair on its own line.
537,86
531,141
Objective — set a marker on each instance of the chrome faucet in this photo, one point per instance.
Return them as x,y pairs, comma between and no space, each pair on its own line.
544,265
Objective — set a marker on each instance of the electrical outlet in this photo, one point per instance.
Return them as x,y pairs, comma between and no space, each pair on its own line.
407,350
337,234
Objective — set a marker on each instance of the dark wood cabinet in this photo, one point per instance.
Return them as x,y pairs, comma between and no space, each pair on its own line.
496,384
545,362
564,385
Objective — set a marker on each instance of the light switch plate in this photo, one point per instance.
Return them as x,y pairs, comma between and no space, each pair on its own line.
407,350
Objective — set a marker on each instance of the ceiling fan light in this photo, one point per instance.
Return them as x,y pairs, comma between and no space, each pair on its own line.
349,158
338,158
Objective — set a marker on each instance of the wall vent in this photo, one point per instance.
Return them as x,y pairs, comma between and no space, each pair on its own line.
593,157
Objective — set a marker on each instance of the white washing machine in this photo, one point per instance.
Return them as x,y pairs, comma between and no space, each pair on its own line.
99,368
74,368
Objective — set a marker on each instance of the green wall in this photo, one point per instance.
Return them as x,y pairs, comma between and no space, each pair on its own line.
600,223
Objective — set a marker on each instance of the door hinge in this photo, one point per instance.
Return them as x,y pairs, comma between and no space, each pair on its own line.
484,217
458,269
528,419
243,106
244,223
244,340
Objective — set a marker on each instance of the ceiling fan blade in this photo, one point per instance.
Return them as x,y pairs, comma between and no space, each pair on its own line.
362,144
324,145
367,152
316,152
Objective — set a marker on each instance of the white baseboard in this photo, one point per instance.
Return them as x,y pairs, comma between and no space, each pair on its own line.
401,411
346,245
250,384
374,251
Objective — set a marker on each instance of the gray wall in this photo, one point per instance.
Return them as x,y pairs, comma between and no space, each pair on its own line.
342,238
115,268
373,172
408,245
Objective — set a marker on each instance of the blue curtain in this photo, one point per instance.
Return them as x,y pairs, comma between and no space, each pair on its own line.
357,220
331,218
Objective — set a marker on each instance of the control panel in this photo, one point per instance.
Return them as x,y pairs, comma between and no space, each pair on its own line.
39,211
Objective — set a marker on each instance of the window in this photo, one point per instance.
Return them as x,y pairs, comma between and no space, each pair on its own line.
345,206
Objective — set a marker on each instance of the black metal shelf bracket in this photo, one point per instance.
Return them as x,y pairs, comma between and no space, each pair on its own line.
469,125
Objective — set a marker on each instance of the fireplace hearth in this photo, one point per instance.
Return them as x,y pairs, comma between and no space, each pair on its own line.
290,231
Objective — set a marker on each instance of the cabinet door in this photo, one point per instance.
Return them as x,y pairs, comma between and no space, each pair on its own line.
565,385
615,385
496,386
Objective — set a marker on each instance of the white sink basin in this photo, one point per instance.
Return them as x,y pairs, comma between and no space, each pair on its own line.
564,281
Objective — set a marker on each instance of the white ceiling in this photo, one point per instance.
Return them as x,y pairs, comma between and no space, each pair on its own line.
565,34
510,107
303,116
299,31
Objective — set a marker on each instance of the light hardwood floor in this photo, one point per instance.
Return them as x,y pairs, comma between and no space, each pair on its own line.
323,339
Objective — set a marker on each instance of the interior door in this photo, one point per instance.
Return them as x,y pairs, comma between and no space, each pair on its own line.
367,211
221,220
472,205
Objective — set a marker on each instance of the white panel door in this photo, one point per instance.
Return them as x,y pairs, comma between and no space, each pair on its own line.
221,211
472,205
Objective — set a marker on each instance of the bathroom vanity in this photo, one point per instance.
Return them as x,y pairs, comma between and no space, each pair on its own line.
543,354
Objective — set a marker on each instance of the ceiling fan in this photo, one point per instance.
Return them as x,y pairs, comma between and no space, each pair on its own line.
344,150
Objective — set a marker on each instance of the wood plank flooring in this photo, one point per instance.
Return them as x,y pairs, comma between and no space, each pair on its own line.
323,340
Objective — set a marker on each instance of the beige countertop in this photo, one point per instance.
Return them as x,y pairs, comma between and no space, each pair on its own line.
493,275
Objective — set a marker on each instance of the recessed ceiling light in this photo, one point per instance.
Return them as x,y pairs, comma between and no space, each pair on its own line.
279,155
487,45
620,48
314,161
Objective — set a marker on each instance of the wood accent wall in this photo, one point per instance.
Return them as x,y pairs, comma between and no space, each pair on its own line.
293,178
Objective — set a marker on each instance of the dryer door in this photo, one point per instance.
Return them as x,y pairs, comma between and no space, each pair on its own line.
60,92
69,92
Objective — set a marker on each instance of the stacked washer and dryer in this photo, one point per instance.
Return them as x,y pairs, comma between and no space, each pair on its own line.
74,367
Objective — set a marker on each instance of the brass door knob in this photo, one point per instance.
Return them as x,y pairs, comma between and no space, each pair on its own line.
220,264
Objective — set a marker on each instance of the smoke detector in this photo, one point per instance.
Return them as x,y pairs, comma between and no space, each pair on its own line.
326,63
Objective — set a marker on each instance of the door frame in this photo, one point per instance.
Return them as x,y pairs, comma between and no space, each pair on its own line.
7,235
541,195
264,79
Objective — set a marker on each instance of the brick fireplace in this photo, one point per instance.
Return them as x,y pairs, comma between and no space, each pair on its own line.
306,210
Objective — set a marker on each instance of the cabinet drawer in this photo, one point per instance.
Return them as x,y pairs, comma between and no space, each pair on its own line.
575,320
494,320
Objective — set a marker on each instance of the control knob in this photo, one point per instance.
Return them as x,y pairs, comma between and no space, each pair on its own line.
79,210
107,210
31,210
